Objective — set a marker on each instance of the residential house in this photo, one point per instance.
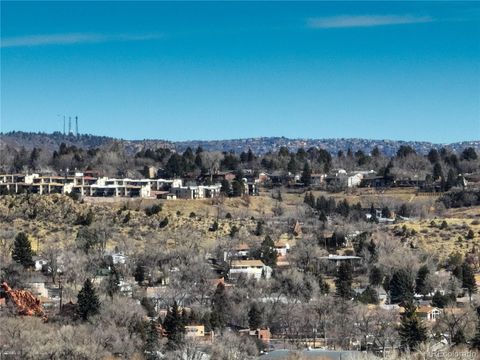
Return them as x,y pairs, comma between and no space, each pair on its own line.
429,313
262,334
317,179
194,331
282,247
239,252
196,191
338,259
38,288
251,268
119,258
353,179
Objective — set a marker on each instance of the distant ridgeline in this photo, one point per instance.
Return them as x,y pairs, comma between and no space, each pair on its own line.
29,140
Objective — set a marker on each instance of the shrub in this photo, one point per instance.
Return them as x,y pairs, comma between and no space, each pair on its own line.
233,231
74,196
85,220
152,210
192,215
163,223
214,226
470,234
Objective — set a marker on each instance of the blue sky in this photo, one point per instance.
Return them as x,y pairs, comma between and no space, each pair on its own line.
177,71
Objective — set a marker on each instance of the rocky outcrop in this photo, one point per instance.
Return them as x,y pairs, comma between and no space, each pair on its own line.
25,302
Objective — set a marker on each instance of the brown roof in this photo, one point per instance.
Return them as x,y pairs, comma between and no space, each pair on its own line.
238,263
425,309
242,246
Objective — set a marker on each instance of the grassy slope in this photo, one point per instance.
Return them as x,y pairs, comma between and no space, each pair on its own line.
57,214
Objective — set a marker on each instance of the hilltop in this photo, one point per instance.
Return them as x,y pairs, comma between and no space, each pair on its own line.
261,145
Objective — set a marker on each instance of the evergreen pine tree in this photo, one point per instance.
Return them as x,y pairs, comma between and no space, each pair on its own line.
451,180
292,164
306,177
412,331
433,156
343,281
468,279
372,249
113,281
439,300
220,308
369,296
321,204
475,342
376,152
401,286
88,303
254,317
268,254
309,199
22,251
250,155
331,205
238,188
174,326
322,217
198,161
225,189
437,171
343,208
376,276
151,345
421,285
259,229
139,273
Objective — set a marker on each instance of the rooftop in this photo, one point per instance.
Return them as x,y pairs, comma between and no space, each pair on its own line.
250,263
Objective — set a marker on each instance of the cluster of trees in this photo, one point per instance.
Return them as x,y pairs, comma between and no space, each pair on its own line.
328,206
461,198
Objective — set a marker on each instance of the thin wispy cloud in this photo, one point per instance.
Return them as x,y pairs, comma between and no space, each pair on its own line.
351,21
72,38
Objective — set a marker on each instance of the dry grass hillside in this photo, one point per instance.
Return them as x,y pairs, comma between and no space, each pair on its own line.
55,219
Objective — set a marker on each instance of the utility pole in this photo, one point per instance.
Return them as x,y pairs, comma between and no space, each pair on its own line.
64,125
76,125
69,125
